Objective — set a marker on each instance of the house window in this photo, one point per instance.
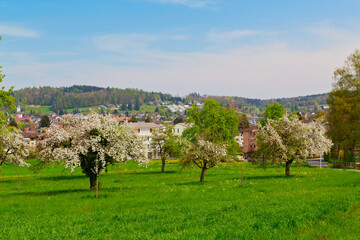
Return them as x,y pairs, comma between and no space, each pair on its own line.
251,146
138,130
151,130
178,130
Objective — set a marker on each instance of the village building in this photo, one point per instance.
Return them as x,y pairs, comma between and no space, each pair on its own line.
145,130
249,139
179,128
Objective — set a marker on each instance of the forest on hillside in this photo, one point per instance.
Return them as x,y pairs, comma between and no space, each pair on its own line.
87,96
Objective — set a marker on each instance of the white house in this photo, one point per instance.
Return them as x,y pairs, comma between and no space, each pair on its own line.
179,128
145,130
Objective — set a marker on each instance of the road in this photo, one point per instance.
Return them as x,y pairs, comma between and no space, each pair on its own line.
316,163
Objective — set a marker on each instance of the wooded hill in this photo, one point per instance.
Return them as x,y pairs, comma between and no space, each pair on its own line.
87,96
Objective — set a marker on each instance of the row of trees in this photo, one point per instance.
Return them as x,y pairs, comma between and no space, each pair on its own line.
97,141
293,103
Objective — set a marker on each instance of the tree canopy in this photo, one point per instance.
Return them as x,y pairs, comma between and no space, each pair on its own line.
213,123
45,121
273,111
91,144
344,106
167,144
205,154
288,139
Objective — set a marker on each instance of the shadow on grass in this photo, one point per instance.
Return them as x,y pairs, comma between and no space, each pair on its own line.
148,173
9,180
268,177
61,178
68,191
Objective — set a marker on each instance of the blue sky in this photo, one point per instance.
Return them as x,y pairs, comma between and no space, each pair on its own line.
250,48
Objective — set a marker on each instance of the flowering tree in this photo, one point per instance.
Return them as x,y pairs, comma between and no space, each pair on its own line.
167,144
12,147
205,154
91,144
287,139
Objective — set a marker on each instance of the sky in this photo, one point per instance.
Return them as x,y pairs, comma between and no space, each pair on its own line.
247,48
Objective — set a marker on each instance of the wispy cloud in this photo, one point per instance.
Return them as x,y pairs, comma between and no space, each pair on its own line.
179,37
279,67
17,31
124,42
188,3
231,35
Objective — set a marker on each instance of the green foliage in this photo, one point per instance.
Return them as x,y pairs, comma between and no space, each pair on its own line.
7,102
273,111
86,96
244,123
13,123
320,115
45,121
167,144
344,107
137,105
133,119
178,120
215,124
56,204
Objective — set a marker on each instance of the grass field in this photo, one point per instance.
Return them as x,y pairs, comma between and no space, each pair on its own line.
141,203
42,109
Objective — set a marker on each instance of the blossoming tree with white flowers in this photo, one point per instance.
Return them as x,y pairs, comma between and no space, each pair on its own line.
205,154
288,140
92,144
13,147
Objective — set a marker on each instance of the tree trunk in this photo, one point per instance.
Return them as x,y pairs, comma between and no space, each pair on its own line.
203,173
93,181
163,159
287,169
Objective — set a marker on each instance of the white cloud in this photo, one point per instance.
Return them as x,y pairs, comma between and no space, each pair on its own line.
17,31
273,69
123,42
179,37
258,72
231,35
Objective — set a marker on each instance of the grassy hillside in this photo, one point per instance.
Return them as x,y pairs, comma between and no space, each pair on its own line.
141,203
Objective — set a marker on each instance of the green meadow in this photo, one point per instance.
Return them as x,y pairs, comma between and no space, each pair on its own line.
142,203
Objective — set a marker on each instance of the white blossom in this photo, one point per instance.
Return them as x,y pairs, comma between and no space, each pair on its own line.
72,138
289,139
206,154
12,147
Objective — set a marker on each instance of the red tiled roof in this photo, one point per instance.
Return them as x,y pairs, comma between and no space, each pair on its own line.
251,129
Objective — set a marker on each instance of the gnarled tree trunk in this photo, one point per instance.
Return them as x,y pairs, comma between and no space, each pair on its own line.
287,169
93,181
203,173
163,159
